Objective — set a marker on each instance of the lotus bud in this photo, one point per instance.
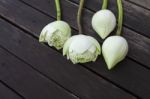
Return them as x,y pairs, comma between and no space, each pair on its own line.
81,49
104,22
55,34
114,50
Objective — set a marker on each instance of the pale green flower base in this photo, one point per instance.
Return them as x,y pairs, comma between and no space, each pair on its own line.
57,40
82,58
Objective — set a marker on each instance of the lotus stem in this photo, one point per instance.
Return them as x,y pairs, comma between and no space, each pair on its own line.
79,16
120,17
105,4
58,9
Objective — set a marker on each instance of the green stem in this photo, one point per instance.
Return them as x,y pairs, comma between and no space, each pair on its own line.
120,17
57,2
79,16
105,4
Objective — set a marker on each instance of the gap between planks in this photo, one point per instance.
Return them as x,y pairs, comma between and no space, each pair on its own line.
11,89
138,3
50,83
77,97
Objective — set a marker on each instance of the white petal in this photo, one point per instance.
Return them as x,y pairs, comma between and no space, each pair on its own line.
67,44
92,49
49,29
114,50
104,22
81,49
95,42
46,33
62,26
80,44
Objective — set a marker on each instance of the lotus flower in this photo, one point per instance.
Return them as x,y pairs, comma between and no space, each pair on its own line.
114,50
81,49
55,34
104,22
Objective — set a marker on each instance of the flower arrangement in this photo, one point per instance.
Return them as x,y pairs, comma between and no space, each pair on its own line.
82,48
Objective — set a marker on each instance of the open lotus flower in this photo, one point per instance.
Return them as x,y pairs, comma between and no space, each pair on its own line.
104,22
114,50
81,49
56,34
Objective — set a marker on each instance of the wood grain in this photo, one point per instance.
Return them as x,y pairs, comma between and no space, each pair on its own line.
6,93
28,82
143,3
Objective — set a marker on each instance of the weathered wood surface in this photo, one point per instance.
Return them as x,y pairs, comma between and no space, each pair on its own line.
73,77
6,93
42,64
142,3
28,82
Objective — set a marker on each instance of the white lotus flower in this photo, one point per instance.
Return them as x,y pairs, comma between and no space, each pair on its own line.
55,34
81,49
104,22
114,50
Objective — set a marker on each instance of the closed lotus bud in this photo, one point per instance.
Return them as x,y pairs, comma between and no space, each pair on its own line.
114,50
104,22
81,49
55,34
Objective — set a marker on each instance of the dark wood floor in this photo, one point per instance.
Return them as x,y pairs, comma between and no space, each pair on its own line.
30,70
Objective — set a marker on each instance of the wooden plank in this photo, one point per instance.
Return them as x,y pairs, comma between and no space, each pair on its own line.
139,47
75,78
143,3
118,79
6,93
28,82
139,43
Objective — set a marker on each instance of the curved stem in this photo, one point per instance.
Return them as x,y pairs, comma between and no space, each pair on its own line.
120,17
79,16
105,4
57,2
